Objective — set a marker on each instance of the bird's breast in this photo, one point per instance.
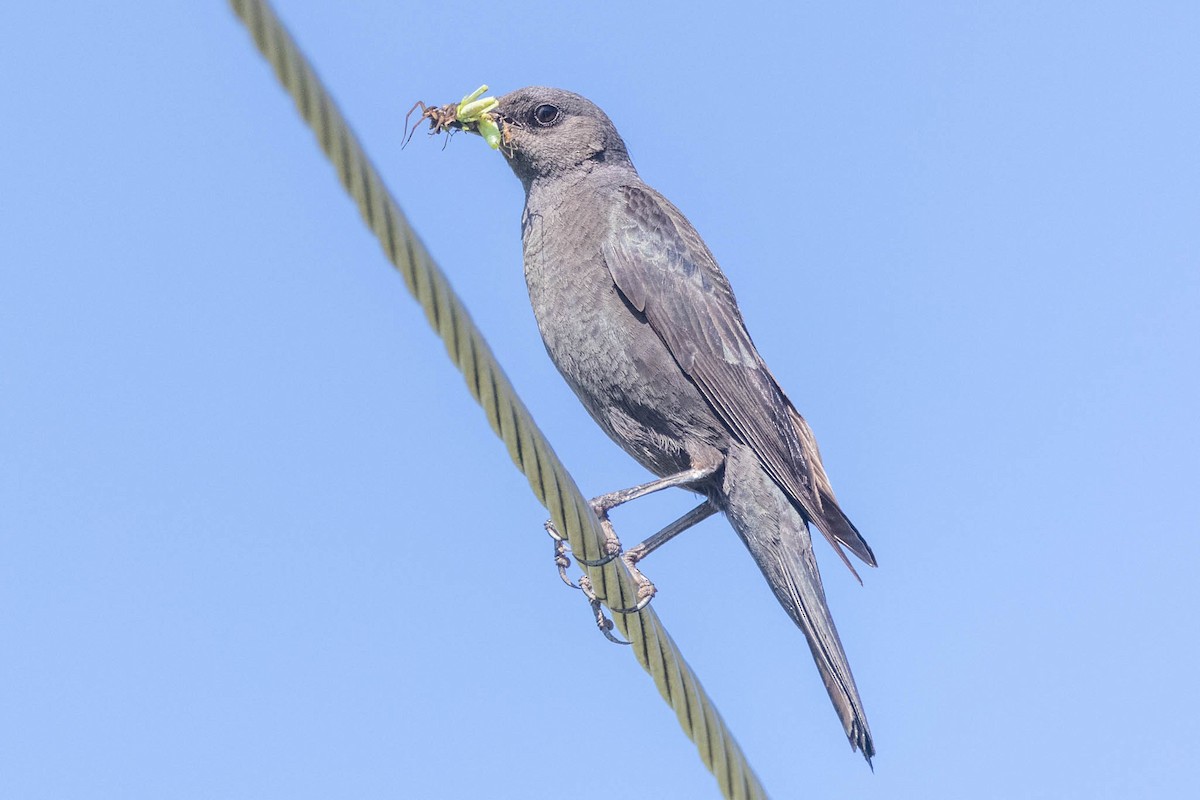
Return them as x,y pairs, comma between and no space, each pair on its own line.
614,362
579,312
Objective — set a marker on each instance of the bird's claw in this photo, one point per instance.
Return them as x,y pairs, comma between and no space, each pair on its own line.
645,588
607,558
612,545
602,622
561,559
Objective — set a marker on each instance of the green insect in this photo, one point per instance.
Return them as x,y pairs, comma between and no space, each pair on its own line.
476,110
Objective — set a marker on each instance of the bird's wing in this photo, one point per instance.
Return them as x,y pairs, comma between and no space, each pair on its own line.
663,268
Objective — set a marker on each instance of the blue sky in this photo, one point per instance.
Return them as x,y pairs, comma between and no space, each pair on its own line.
257,541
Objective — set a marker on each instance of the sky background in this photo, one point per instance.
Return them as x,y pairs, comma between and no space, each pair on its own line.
257,541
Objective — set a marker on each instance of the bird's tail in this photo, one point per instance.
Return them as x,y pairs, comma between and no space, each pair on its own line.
778,538
828,515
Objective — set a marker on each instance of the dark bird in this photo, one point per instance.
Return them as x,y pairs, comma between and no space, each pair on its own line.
642,323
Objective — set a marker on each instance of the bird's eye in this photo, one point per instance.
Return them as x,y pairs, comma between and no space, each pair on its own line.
546,114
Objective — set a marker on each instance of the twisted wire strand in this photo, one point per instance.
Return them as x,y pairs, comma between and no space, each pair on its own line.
506,413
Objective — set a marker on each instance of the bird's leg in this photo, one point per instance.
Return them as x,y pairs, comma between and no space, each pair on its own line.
697,514
645,589
612,546
606,502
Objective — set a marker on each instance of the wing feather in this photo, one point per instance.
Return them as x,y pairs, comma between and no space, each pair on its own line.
664,269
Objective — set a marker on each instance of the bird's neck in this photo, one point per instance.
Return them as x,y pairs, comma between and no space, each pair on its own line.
549,190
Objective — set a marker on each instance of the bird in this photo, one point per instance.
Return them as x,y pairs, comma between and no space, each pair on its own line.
641,322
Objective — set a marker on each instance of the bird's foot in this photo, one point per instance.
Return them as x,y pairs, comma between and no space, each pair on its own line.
602,621
645,587
611,547
561,559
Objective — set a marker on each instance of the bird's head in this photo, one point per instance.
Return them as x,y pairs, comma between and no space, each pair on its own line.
548,132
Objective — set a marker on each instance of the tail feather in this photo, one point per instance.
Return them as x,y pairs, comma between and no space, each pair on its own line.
828,515
833,522
778,539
